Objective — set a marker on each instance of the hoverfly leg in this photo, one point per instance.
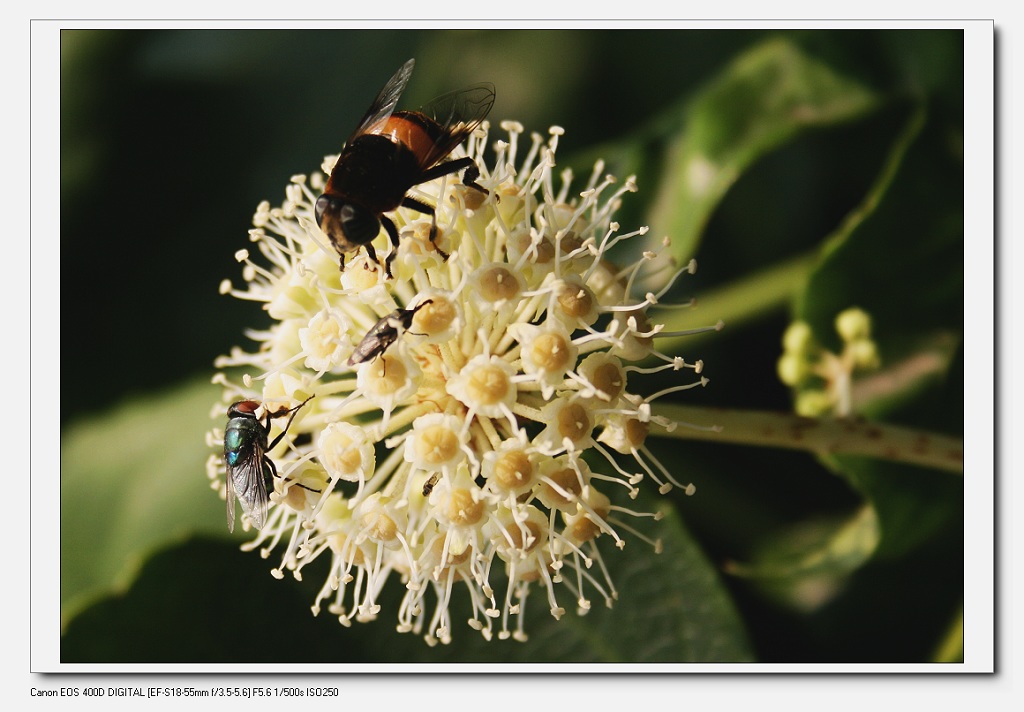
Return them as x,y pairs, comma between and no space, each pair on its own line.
422,207
392,231
413,204
444,255
433,238
470,176
371,253
449,167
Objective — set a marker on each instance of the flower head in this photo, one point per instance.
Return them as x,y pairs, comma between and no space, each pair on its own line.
824,379
473,419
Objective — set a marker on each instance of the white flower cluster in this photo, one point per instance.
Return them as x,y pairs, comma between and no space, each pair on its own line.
458,453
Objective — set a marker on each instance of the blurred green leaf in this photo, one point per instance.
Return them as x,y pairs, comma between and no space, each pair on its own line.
804,565
951,647
915,505
763,99
205,601
133,481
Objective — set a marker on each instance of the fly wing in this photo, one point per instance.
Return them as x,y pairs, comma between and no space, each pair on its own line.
384,105
458,114
246,482
377,339
230,499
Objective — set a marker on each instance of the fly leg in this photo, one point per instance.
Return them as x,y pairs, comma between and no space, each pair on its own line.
280,413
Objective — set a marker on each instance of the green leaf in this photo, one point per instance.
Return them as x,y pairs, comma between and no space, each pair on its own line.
806,564
132,481
205,601
951,647
915,506
763,99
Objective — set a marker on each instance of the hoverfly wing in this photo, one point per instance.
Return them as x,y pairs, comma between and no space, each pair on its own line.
457,114
384,105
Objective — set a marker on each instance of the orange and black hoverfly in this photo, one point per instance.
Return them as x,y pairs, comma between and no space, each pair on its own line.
389,153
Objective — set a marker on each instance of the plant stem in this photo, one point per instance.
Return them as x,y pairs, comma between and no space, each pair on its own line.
823,436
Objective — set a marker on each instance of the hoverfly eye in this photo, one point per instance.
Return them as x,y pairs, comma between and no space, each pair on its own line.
360,225
322,204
